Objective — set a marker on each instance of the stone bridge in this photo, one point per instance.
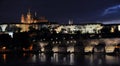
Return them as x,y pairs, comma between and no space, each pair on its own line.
106,41
107,45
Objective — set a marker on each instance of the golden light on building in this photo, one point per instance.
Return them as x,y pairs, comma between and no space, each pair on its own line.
23,49
93,42
4,57
117,46
4,48
71,49
42,49
112,41
31,47
112,30
22,18
24,54
55,49
109,49
88,49
29,18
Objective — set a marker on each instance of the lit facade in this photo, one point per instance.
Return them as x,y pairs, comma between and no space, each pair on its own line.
29,18
86,28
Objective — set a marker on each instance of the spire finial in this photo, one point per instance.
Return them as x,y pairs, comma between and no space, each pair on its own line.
35,13
29,11
70,21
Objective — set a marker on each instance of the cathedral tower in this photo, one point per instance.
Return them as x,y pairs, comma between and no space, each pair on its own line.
29,17
22,18
70,21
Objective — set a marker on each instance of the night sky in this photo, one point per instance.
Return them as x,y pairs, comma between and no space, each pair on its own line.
61,10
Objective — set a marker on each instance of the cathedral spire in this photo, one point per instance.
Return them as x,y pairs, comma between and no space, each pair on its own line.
70,21
35,14
29,19
29,11
22,18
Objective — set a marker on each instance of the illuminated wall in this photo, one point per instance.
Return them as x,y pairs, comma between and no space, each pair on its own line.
29,18
88,28
118,27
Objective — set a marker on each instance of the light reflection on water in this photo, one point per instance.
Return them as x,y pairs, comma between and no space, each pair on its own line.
112,59
72,59
61,59
4,57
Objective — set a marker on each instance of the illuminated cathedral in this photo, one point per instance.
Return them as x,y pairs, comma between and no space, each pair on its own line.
29,18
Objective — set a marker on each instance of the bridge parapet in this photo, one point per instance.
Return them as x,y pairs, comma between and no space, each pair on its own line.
106,41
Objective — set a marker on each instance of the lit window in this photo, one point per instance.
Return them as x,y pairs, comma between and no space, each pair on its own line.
3,48
67,41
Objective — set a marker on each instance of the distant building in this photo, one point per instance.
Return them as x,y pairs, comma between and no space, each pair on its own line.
70,22
82,28
29,18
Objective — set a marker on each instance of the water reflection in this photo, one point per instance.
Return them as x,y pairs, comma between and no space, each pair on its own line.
4,57
112,59
42,57
55,57
33,58
72,59
95,59
61,59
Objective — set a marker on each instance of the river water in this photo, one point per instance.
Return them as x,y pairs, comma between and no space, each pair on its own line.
42,59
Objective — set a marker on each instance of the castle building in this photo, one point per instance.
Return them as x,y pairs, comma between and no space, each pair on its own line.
29,18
